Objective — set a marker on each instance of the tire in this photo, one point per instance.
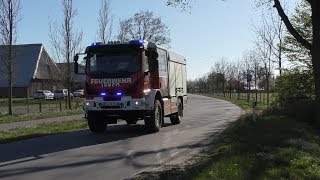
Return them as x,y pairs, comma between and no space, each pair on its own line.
131,121
154,122
176,117
96,125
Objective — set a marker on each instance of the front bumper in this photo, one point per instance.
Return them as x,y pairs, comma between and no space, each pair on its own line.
125,104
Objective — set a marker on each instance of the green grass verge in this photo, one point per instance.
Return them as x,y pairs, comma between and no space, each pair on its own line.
241,103
41,130
31,101
272,148
18,102
275,147
27,117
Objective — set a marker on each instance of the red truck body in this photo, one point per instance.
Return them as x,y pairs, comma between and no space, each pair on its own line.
133,81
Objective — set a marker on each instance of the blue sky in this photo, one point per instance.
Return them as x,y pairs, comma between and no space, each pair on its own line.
210,30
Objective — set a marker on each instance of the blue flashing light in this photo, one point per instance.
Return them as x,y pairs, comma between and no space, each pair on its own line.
119,94
96,44
137,42
103,93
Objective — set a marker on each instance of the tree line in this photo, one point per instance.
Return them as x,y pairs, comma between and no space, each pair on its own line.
278,38
303,41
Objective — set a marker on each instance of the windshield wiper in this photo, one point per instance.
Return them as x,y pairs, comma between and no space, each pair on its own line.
124,71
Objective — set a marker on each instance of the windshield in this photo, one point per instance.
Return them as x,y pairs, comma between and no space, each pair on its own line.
110,63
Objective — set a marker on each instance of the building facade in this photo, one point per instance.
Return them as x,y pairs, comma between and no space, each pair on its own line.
33,70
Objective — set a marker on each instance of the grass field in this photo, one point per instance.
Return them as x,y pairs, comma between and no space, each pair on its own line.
27,117
240,102
22,106
41,130
31,101
259,96
274,147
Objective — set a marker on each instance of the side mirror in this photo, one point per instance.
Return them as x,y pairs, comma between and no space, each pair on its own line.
156,55
79,64
152,54
75,60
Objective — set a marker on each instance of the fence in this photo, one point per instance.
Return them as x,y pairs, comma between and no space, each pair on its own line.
23,106
261,97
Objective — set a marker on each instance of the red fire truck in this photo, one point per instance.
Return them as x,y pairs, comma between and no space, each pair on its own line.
132,81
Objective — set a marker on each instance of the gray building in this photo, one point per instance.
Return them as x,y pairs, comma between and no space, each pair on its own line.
33,70
77,80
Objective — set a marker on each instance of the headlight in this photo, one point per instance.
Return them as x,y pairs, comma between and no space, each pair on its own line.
88,103
137,103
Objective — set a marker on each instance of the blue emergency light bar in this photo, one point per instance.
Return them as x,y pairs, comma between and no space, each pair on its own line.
137,42
96,44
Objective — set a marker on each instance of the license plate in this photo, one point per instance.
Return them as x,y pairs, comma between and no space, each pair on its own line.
111,104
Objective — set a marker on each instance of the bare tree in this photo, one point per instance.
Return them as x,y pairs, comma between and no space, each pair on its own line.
264,48
221,67
238,74
184,4
105,21
279,31
231,75
144,25
9,18
271,33
125,28
255,68
247,71
216,68
66,41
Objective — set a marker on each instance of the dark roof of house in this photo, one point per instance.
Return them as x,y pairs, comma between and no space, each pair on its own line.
31,61
76,77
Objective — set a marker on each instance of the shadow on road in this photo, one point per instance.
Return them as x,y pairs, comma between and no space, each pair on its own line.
60,142
32,150
132,160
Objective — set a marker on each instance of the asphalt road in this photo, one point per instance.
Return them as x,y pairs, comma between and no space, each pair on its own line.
121,152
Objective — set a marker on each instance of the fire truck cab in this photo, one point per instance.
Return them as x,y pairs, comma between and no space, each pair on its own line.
132,81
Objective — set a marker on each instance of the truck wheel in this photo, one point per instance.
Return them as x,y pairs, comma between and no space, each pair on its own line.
154,122
96,125
131,121
176,117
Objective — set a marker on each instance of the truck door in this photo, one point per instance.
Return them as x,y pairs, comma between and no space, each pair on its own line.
153,68
163,72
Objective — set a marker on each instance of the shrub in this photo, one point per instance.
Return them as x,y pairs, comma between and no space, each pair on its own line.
295,93
295,88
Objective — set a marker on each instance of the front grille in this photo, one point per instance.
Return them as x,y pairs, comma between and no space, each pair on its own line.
112,98
110,107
